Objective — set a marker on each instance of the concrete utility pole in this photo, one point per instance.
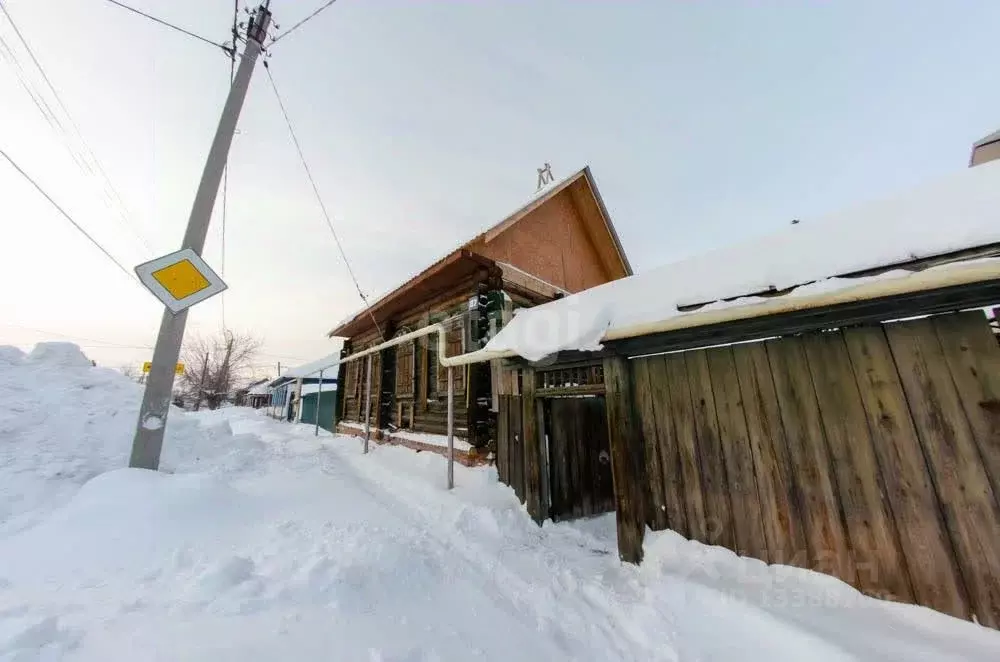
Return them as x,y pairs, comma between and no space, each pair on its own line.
159,386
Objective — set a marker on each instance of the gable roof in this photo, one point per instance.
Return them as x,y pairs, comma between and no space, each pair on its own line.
549,193
992,138
349,326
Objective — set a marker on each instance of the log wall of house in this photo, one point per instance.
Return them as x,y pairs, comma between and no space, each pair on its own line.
423,407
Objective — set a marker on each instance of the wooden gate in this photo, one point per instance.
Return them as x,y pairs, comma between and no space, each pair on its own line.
579,458
552,440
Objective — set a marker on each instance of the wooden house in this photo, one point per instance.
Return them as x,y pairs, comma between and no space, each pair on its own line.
561,242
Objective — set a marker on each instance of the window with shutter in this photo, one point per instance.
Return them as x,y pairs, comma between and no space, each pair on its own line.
455,342
405,357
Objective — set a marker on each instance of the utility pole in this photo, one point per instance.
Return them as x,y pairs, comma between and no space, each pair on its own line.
148,439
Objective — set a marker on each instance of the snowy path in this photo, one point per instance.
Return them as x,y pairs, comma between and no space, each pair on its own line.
260,541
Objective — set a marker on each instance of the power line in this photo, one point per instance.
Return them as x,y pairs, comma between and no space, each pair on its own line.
99,343
69,218
302,22
225,171
282,356
171,26
319,199
114,197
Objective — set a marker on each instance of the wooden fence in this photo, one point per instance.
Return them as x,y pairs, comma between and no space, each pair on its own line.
870,453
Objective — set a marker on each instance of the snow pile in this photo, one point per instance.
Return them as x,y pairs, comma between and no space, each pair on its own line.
63,422
58,355
959,212
269,543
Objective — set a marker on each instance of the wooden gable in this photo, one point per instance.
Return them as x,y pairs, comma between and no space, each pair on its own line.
564,238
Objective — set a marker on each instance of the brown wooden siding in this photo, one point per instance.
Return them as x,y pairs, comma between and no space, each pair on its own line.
550,243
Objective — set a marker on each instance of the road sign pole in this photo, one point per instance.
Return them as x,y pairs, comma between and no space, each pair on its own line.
148,439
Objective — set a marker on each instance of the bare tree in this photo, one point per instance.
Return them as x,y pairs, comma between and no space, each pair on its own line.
214,365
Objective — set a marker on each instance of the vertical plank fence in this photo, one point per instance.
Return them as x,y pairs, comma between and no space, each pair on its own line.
870,453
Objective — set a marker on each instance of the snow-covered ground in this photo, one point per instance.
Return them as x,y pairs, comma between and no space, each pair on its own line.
260,541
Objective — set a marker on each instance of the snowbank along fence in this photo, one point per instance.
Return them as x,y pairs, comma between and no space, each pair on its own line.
869,452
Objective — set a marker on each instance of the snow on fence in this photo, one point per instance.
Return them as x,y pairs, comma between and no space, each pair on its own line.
869,452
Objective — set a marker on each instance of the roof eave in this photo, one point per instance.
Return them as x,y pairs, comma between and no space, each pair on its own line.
607,220
443,263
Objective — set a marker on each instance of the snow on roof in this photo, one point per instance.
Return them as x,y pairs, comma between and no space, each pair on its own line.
259,389
506,266
313,388
313,367
956,213
992,138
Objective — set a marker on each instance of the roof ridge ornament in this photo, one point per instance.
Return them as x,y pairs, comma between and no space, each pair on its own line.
544,177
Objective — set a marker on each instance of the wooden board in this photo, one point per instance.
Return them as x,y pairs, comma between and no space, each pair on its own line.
973,355
747,526
823,527
628,458
669,448
871,531
970,511
908,488
600,482
780,517
503,440
531,434
715,483
516,448
561,458
656,506
682,415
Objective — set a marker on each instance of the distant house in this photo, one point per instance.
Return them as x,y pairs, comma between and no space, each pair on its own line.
302,391
561,242
257,394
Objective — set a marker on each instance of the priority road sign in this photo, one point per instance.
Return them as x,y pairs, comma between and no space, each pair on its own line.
148,365
180,279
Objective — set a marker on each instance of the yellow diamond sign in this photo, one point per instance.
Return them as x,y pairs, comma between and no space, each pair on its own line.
148,365
180,279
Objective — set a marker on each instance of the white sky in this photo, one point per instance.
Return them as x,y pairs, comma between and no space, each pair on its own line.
424,122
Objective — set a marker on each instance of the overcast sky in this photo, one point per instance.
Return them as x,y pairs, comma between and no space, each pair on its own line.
424,121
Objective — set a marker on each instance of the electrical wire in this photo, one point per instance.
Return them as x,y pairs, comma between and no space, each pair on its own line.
69,218
171,25
114,198
302,22
319,199
98,343
225,171
282,356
